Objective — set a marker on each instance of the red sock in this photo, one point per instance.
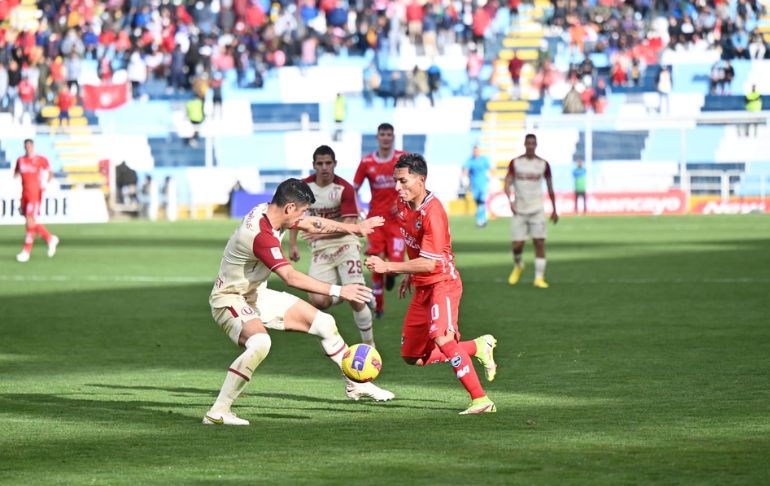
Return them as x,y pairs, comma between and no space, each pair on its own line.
29,239
43,232
378,291
436,356
463,367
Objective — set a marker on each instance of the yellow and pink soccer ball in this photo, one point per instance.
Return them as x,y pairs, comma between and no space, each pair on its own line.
361,363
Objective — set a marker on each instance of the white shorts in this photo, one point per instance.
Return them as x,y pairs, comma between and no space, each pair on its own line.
270,309
338,265
528,225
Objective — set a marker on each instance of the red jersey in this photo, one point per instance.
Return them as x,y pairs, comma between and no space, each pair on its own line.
380,175
32,170
426,234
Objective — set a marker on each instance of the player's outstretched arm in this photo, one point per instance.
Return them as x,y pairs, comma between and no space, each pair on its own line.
316,225
376,264
298,280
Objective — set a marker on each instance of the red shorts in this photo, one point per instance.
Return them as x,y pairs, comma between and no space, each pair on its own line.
387,240
30,207
432,313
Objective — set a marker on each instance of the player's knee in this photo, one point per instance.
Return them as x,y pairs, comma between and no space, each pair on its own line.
259,344
320,301
323,326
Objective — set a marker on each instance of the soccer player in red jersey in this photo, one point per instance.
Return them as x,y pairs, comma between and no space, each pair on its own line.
33,170
430,332
386,242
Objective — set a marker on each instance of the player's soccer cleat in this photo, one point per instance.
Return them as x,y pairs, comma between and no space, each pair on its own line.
515,275
378,314
22,257
485,346
223,418
390,282
356,391
52,244
540,283
480,405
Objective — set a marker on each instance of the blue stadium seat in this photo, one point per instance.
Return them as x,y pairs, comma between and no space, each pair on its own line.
284,112
176,152
730,103
613,145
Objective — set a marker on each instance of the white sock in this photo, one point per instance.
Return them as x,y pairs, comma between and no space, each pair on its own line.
517,260
539,267
324,327
363,320
239,373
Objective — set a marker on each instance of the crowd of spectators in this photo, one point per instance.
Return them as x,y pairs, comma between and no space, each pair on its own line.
631,35
178,41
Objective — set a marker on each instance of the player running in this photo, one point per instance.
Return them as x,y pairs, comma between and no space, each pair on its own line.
245,308
35,171
385,242
430,332
526,173
336,258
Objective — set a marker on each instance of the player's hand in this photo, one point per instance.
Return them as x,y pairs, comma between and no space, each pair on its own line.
554,217
513,207
366,227
376,264
356,293
405,287
293,253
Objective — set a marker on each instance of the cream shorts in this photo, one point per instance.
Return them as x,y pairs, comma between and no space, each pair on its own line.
340,265
525,226
270,309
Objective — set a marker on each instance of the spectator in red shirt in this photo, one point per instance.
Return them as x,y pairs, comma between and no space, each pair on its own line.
514,68
64,101
27,97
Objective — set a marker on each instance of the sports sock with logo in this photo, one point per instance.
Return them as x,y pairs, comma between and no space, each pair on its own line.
463,368
437,356
239,373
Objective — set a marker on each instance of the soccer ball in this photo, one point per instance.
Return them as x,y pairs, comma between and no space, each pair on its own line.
361,363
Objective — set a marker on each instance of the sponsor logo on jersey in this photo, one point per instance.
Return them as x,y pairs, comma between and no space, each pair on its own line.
276,252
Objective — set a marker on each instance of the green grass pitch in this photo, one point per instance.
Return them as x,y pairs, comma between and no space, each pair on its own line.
646,362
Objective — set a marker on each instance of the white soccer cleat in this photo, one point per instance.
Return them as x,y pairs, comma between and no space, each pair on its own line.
356,391
223,418
52,244
22,257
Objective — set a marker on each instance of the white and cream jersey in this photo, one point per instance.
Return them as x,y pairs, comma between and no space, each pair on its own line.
251,254
333,201
527,174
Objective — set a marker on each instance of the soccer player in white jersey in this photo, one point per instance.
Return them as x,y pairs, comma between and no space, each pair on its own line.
336,258
525,175
245,308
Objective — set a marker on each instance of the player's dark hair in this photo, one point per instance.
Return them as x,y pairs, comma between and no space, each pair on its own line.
324,150
293,191
385,126
29,140
530,135
414,162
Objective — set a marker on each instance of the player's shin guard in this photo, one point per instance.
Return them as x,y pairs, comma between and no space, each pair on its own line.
539,267
437,356
463,368
43,232
239,373
29,240
324,327
378,287
363,320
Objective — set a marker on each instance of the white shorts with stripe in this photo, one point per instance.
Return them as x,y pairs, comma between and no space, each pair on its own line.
270,309
525,226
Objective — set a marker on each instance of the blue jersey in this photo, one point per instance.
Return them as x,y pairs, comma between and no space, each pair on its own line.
478,172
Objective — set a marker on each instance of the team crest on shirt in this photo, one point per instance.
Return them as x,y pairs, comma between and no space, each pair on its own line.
334,195
247,311
418,224
276,252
